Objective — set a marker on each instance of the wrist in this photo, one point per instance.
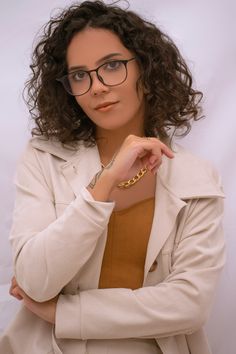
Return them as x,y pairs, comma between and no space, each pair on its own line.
110,178
102,185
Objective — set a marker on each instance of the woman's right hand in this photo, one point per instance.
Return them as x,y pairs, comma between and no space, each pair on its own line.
136,153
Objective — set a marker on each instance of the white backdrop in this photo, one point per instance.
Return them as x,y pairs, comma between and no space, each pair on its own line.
205,33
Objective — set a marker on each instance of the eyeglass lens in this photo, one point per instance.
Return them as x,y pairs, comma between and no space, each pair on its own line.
111,73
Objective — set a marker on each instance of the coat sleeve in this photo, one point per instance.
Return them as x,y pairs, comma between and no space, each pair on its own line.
178,305
49,251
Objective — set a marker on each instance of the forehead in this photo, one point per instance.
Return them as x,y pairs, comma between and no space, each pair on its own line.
92,44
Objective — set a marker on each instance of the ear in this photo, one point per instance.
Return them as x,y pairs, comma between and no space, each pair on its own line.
145,90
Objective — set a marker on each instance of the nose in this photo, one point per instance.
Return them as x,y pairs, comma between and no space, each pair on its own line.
97,86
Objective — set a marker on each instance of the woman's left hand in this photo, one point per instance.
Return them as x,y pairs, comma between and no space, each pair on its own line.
45,310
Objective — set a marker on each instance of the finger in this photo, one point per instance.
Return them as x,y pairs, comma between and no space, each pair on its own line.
11,291
12,288
16,293
156,166
154,158
167,151
145,160
13,282
164,148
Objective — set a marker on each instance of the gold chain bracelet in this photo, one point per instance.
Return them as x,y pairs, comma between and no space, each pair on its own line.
130,182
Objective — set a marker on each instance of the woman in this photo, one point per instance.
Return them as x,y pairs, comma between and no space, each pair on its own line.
116,234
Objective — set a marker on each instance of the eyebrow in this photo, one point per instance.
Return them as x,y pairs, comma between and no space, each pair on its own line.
83,67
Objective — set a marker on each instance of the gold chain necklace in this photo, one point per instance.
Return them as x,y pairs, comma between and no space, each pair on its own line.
130,182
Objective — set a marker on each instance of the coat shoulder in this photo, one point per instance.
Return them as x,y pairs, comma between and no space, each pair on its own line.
189,176
51,146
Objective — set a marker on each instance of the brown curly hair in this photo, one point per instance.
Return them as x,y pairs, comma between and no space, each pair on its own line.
171,102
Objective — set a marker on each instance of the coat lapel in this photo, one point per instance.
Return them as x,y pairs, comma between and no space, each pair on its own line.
78,164
167,208
185,177
80,170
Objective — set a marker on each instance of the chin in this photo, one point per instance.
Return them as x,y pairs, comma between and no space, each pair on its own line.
109,123
110,127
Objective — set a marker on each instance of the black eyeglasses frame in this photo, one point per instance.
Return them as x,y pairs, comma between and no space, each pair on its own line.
64,79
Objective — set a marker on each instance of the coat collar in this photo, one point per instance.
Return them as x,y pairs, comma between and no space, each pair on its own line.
178,180
55,148
186,176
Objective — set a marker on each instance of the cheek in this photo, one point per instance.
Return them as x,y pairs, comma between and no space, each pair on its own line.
79,101
134,97
83,104
134,89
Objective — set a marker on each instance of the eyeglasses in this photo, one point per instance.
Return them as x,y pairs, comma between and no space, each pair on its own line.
111,73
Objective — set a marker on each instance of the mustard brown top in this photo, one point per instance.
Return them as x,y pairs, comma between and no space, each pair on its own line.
125,252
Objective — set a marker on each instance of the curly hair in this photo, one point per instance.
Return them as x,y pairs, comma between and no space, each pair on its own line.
171,102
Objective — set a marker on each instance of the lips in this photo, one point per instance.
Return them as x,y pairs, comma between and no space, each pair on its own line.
104,105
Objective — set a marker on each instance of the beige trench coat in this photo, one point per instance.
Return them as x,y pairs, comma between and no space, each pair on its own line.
58,238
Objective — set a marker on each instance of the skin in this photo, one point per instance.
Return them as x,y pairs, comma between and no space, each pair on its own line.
45,310
127,116
119,130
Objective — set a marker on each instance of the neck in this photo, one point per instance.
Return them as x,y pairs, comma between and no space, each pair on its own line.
109,141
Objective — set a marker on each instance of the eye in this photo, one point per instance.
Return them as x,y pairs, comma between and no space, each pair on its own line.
78,76
113,65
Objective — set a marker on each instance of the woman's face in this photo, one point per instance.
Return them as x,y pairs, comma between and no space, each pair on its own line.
89,49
